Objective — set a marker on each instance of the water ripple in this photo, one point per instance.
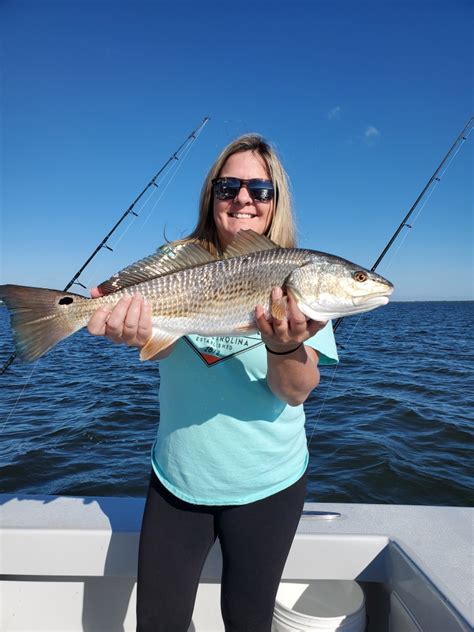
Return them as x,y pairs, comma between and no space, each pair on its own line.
393,426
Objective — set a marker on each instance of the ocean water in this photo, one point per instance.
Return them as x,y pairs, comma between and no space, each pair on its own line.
393,423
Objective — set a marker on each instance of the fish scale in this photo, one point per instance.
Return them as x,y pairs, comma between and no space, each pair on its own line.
221,294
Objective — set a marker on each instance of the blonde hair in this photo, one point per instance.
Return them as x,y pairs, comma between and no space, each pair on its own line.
282,226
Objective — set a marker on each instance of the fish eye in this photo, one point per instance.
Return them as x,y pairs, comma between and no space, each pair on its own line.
66,300
360,276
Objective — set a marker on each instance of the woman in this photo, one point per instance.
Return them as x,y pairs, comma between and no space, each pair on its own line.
230,457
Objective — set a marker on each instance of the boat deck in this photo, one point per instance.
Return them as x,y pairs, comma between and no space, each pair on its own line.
415,563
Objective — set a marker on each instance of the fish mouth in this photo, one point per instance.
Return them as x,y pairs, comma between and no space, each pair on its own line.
372,301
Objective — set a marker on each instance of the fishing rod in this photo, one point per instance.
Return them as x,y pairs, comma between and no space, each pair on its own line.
103,244
434,179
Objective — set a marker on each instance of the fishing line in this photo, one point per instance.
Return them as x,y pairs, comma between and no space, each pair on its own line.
407,232
91,279
174,174
425,202
171,174
166,170
322,405
330,383
18,398
167,178
428,189
442,167
103,244
173,169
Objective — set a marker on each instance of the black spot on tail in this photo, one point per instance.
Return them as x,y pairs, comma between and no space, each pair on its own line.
37,319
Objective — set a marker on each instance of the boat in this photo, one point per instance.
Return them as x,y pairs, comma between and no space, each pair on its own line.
69,563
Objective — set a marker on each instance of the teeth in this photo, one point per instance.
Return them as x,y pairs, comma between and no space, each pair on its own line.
241,215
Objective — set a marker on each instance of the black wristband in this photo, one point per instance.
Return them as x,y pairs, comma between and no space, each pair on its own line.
284,352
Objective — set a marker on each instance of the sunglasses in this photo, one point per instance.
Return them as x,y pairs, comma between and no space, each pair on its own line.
228,188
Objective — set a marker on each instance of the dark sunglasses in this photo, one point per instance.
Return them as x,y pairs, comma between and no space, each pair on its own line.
228,188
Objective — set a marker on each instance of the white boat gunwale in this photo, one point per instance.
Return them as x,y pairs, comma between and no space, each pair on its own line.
415,554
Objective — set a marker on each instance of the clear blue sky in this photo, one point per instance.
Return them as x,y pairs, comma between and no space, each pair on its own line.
362,100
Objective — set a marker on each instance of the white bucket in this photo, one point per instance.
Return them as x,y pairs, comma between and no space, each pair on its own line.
320,605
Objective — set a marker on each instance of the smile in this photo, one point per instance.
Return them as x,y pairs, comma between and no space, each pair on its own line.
241,215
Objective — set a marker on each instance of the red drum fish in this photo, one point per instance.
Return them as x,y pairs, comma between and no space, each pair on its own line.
193,292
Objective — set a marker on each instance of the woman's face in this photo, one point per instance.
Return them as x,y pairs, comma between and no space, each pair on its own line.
242,212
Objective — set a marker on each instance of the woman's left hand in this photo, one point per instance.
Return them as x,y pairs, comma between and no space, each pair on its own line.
282,334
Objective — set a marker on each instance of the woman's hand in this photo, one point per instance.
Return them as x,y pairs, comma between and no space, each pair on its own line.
129,322
292,371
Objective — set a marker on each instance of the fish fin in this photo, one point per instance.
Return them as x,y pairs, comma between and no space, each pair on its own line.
246,242
159,341
248,329
166,260
37,318
280,308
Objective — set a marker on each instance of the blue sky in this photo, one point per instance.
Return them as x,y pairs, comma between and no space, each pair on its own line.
361,99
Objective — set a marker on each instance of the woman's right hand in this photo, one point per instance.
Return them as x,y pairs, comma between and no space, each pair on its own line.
129,322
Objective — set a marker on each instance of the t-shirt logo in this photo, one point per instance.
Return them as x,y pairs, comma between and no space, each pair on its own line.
217,349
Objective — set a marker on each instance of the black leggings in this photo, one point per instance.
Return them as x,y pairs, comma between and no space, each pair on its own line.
176,538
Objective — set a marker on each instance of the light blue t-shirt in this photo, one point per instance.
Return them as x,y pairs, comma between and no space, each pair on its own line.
224,438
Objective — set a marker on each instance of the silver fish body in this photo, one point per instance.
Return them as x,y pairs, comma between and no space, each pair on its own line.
193,293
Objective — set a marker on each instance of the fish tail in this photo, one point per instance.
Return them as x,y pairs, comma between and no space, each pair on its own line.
40,318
